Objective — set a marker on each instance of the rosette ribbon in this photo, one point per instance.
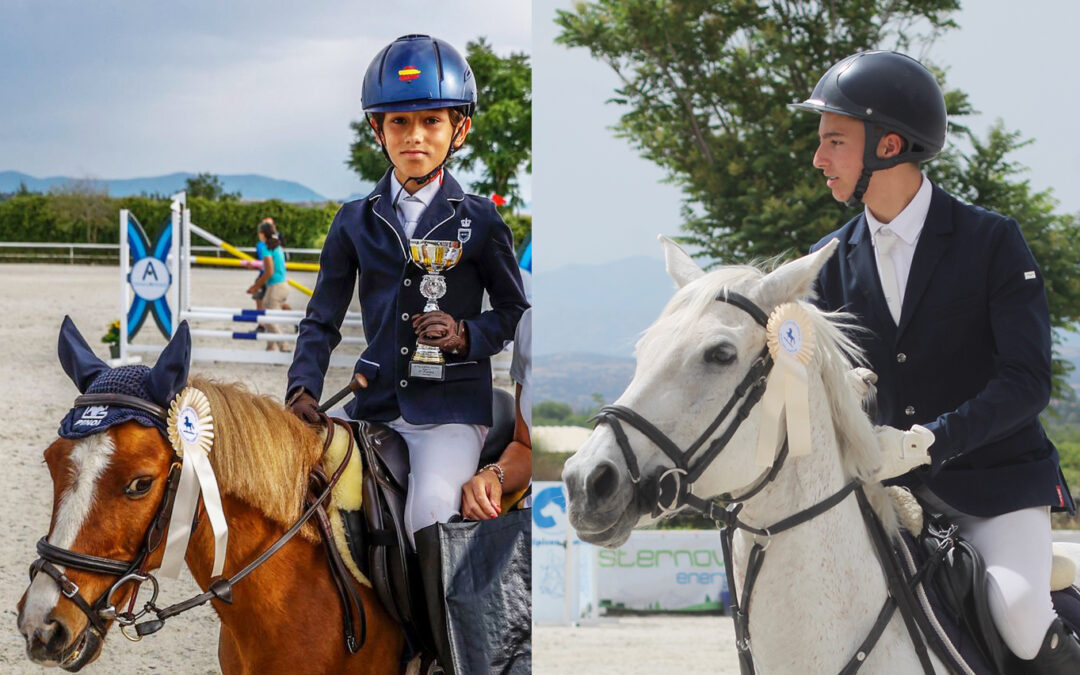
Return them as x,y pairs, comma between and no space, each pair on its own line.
786,401
191,431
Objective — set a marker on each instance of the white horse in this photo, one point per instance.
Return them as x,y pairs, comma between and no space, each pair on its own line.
823,586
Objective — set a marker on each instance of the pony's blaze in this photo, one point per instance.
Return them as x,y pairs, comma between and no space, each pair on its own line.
88,480
53,629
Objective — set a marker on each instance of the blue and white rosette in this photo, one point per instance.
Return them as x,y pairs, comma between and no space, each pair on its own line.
787,394
191,431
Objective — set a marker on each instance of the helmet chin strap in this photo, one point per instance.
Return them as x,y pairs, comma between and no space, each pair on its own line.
871,162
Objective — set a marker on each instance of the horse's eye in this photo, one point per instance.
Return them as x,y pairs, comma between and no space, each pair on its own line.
722,354
139,487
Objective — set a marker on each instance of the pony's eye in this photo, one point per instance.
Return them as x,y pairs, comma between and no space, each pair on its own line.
138,487
722,354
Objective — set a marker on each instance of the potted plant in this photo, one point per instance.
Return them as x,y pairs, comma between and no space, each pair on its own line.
112,338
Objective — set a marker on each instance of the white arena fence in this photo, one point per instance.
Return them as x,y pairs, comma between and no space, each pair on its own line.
156,276
654,571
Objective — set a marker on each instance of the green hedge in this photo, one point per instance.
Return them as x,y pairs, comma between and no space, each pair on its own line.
93,218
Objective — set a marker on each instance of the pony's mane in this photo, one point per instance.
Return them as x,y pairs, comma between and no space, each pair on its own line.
262,454
835,351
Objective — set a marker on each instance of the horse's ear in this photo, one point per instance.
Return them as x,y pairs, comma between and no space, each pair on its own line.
680,266
169,375
77,359
794,280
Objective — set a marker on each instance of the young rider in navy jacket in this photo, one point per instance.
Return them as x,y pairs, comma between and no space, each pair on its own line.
419,94
959,335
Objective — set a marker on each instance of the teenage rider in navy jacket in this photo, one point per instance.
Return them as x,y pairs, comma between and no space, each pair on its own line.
419,94
959,334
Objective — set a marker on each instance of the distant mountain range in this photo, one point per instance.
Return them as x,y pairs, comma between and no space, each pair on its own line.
251,187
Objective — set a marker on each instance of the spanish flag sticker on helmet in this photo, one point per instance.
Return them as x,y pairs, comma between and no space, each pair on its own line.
408,73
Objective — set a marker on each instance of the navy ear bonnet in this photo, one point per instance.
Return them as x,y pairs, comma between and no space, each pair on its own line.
129,380
152,388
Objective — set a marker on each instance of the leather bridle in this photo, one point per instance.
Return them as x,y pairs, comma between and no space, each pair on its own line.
671,489
100,611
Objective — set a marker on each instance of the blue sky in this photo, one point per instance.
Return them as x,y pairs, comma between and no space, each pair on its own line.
127,88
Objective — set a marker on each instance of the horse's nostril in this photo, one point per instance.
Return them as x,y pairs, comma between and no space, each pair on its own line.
52,635
602,482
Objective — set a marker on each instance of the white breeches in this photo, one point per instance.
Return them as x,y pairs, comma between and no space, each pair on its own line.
442,458
1017,548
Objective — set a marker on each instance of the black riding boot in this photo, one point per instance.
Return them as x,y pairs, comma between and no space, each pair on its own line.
1059,654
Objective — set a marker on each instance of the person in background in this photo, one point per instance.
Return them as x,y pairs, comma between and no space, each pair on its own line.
272,282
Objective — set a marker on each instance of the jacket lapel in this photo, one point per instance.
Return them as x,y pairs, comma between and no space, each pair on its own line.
382,205
934,240
443,207
861,260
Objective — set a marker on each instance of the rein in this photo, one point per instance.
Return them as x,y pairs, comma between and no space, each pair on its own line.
673,489
134,571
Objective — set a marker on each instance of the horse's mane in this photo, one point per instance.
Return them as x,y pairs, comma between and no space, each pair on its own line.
836,352
262,454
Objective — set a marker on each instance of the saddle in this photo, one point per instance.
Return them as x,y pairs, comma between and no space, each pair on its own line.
376,534
949,579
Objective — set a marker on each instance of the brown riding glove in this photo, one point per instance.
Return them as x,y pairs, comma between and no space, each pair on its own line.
441,330
303,405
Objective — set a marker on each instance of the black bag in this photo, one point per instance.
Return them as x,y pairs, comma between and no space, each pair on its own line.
478,587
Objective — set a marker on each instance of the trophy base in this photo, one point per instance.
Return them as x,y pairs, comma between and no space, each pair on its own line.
427,371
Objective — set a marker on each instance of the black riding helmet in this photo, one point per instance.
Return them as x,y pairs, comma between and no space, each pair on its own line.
891,93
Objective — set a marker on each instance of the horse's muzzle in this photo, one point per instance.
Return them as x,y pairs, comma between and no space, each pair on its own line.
602,507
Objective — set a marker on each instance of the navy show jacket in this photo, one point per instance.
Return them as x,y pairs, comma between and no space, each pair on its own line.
366,239
969,360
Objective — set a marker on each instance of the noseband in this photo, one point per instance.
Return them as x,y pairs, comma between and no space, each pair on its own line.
100,611
672,488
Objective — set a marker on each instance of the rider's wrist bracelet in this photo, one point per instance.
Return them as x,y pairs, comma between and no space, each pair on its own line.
497,469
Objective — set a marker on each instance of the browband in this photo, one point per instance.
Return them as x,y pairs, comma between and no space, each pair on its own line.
124,401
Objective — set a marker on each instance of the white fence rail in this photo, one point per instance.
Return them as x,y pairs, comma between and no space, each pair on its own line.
43,251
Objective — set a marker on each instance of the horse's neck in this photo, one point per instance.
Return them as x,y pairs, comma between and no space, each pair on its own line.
828,557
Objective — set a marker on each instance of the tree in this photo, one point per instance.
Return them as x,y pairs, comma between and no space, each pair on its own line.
81,209
706,83
208,186
500,143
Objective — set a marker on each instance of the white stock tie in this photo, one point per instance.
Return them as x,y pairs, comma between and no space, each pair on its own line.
411,210
884,240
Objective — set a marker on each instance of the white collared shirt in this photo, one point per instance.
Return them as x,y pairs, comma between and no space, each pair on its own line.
423,196
907,226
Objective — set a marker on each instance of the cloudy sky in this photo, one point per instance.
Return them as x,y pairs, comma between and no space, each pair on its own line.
121,89
597,201
129,88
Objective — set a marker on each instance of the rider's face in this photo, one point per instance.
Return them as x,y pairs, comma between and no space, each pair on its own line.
417,141
840,153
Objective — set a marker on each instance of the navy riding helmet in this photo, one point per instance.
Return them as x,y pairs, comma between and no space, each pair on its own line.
419,72
890,93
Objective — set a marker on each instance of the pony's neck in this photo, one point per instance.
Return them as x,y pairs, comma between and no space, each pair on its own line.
250,534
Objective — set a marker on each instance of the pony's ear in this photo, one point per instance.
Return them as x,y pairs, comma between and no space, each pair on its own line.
794,280
169,375
78,360
680,266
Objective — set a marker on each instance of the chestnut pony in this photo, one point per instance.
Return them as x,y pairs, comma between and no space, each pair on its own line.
108,487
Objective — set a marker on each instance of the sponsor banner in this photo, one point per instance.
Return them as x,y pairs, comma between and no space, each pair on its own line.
672,570
552,573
